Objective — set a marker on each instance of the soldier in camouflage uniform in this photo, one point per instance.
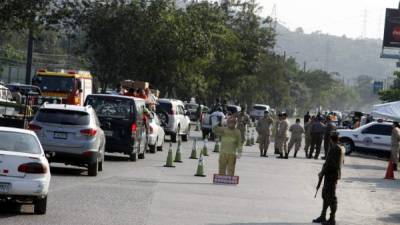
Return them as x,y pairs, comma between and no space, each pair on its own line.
264,132
331,171
307,135
243,120
231,146
297,135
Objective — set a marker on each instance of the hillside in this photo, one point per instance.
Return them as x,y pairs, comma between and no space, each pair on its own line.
349,57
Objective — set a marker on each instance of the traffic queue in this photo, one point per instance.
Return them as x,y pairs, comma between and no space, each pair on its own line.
60,120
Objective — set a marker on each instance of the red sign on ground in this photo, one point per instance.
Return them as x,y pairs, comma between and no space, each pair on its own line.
221,179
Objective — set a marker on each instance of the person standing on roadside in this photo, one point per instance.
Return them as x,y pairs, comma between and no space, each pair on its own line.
307,135
307,118
317,134
264,132
275,133
394,154
231,146
330,128
331,173
283,137
243,122
297,132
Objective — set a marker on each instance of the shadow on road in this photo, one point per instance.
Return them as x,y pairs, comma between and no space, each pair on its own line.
67,171
116,158
265,224
364,167
380,182
391,218
11,209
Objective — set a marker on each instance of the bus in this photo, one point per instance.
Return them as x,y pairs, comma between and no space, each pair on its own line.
71,86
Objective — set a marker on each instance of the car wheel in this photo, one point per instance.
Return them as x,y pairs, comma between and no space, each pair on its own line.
132,156
185,137
93,168
40,205
101,161
141,155
160,148
152,148
348,146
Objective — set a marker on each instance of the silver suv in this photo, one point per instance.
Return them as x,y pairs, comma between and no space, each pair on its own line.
70,134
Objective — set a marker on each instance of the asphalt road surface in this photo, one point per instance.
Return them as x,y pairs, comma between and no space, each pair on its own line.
271,191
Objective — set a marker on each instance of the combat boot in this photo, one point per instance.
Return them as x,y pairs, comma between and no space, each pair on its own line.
319,220
280,156
331,221
295,154
286,155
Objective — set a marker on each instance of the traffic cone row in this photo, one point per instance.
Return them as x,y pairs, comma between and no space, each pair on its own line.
178,157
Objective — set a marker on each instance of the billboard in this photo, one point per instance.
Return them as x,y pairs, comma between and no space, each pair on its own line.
391,37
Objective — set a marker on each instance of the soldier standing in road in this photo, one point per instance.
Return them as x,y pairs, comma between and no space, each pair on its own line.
307,118
283,136
231,146
243,121
307,135
331,171
275,133
295,140
317,134
330,128
394,155
263,129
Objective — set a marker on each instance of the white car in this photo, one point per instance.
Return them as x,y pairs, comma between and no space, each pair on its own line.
257,112
174,118
156,134
372,136
24,169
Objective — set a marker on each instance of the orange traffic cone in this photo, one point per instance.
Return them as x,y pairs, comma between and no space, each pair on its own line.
389,171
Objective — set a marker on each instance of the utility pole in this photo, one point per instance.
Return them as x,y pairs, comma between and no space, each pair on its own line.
29,58
305,67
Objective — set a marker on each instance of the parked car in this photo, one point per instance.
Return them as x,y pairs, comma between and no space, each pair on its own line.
24,169
174,118
122,119
192,109
156,134
257,112
373,136
70,134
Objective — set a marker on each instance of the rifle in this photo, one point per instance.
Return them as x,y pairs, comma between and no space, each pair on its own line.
318,185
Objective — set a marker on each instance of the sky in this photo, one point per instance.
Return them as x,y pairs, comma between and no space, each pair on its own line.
353,18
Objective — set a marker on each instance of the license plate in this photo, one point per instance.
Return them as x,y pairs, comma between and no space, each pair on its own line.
108,133
60,135
4,187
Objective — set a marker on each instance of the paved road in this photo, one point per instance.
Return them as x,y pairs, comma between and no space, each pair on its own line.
271,191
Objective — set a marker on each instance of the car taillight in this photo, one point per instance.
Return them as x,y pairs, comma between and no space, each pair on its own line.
151,130
89,132
172,112
36,168
133,130
34,127
87,154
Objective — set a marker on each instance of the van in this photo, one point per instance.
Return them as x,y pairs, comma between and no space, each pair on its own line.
122,119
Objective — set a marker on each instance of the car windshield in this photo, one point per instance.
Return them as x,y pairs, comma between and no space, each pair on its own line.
111,107
259,107
64,117
19,142
164,107
57,84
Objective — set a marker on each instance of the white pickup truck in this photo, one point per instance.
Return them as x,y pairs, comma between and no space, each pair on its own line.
374,136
